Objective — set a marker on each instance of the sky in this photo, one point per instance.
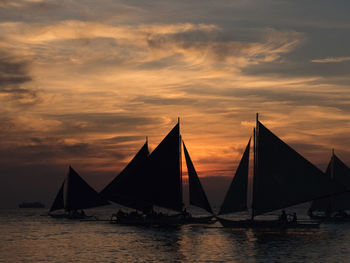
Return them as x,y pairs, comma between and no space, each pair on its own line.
83,82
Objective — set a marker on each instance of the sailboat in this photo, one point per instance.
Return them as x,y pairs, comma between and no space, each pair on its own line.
155,180
333,208
281,178
74,195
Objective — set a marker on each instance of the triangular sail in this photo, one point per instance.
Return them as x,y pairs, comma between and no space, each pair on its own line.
236,197
58,203
340,173
129,187
283,177
165,172
197,195
79,194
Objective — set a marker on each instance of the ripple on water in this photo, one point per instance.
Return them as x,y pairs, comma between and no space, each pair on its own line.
41,239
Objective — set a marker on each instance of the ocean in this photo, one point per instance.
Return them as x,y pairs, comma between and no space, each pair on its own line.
28,236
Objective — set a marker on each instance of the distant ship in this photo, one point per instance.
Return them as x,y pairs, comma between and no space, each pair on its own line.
31,205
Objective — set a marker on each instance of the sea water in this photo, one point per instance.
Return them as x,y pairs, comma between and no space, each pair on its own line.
26,235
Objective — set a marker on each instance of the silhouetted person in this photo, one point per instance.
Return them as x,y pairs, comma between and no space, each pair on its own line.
328,212
120,213
185,214
309,213
341,214
283,216
295,219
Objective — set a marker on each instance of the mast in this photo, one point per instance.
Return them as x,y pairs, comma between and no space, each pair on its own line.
255,135
180,163
332,165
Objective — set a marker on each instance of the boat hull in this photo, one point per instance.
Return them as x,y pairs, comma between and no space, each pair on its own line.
326,219
67,216
268,224
200,220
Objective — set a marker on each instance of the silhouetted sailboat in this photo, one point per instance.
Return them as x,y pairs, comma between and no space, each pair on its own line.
282,178
334,208
159,176
74,195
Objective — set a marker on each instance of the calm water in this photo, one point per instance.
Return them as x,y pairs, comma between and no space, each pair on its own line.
25,236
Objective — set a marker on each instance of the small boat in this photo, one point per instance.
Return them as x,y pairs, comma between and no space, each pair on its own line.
281,178
31,205
333,209
74,196
155,180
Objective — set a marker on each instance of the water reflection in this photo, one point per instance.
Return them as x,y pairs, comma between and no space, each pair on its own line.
28,237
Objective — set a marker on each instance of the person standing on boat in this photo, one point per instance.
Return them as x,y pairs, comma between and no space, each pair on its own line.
283,217
295,219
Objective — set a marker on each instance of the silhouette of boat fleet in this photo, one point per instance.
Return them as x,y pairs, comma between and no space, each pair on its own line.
281,178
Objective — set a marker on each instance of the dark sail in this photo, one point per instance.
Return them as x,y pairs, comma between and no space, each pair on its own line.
165,172
79,195
236,197
323,204
59,201
340,173
197,194
129,187
283,177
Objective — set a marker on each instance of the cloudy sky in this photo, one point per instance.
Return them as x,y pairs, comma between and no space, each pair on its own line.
83,82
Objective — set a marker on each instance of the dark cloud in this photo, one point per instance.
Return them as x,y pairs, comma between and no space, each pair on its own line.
76,123
14,73
282,94
300,68
220,45
49,150
167,62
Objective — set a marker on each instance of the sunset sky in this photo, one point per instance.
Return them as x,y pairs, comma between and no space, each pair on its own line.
83,82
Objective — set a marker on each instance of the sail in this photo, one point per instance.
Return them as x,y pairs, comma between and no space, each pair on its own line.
129,187
165,172
236,197
58,203
323,204
283,177
340,173
197,194
79,195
